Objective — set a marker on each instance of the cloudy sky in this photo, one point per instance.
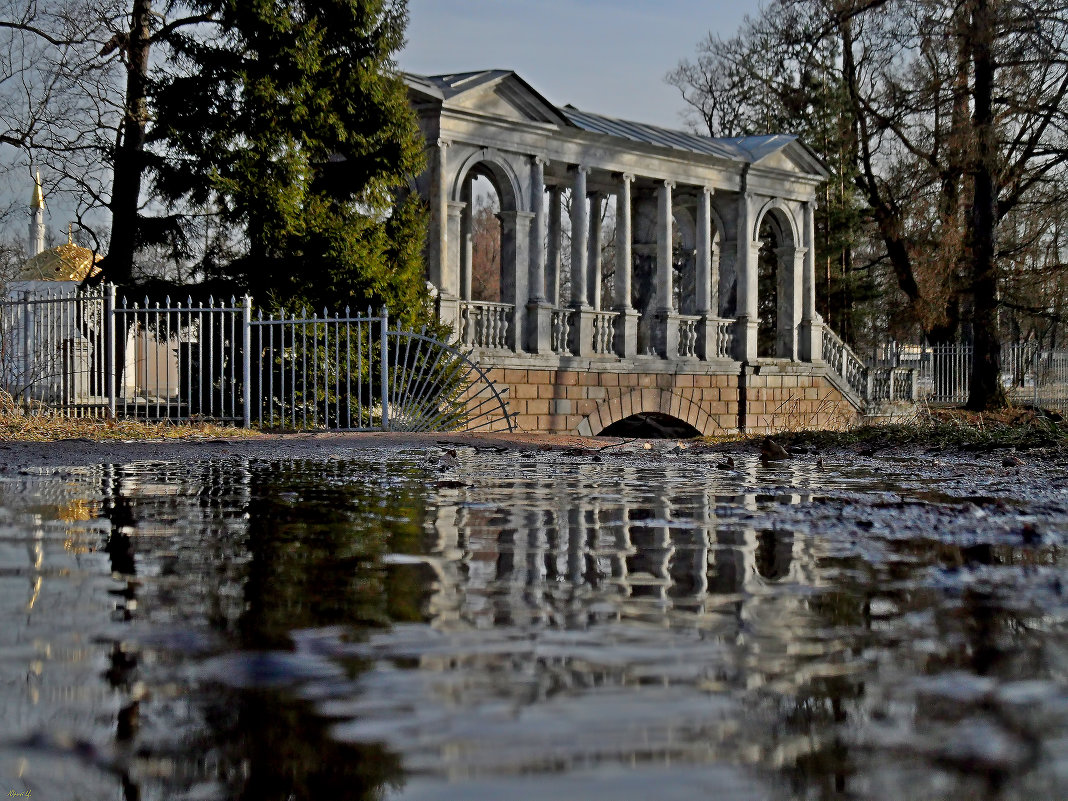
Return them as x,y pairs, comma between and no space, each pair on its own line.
605,56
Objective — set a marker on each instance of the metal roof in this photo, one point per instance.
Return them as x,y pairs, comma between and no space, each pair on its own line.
746,149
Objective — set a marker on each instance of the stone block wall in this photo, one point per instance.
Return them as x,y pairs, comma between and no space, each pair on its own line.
794,401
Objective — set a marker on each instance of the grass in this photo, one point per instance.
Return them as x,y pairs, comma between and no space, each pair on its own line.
16,425
942,428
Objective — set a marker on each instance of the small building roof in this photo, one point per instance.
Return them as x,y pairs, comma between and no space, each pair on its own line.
67,262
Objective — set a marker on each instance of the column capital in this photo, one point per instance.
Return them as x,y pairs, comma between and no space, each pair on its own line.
540,160
626,177
442,142
707,190
668,184
580,168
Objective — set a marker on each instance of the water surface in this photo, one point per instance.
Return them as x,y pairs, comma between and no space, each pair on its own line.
632,625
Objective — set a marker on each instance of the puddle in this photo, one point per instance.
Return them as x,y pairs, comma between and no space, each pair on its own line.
403,625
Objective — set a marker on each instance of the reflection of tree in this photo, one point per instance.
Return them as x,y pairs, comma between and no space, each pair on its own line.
315,544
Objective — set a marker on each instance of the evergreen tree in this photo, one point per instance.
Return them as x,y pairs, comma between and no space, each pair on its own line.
286,125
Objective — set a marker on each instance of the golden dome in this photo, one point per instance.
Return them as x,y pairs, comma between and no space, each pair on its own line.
67,262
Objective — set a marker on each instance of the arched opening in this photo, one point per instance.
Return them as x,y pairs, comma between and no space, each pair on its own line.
773,287
651,425
489,317
484,208
684,262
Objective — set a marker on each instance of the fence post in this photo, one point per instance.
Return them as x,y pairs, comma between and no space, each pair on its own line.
385,369
109,316
1035,402
246,360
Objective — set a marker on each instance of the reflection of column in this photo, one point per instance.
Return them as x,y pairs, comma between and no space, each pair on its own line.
811,326
579,237
594,293
627,321
552,266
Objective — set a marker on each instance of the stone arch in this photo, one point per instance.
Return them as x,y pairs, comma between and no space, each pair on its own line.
776,239
503,175
782,218
638,400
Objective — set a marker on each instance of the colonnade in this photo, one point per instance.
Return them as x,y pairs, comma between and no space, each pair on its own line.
717,318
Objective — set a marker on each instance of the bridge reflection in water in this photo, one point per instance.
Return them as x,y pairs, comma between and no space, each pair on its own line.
529,626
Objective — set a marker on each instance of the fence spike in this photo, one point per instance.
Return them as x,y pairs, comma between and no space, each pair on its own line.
124,301
167,301
260,314
211,301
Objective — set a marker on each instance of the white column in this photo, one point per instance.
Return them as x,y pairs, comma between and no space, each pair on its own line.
664,251
594,264
579,237
808,309
624,238
811,345
745,338
552,266
439,217
537,238
704,251
467,245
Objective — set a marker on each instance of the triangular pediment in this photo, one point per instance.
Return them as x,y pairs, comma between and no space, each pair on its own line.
793,157
493,93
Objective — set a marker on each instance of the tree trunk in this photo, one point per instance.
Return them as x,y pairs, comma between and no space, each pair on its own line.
986,391
129,150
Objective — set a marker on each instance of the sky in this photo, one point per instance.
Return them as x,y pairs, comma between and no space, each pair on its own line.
605,56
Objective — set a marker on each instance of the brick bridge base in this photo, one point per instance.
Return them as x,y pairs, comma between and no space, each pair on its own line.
762,398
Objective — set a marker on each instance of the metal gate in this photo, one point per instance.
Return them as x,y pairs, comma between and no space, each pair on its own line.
83,353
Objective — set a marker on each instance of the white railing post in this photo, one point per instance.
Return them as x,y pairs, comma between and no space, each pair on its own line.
385,369
109,321
246,360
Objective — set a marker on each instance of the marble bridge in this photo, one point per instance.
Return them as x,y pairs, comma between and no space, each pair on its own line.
706,310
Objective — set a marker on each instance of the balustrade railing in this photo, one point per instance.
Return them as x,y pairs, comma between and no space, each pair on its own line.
560,330
688,335
604,332
845,362
722,339
486,325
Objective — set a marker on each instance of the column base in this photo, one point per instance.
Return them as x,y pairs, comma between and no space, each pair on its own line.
539,327
581,339
666,333
627,333
811,345
449,313
709,345
745,339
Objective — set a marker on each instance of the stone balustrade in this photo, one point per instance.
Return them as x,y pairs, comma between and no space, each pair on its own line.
486,325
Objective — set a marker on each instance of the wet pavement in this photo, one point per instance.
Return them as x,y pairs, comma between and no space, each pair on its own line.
624,624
